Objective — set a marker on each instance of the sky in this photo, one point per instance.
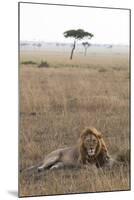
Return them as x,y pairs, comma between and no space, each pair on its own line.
48,22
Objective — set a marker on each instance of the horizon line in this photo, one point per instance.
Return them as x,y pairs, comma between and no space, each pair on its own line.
60,42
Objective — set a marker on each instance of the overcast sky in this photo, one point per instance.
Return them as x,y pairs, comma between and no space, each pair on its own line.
48,22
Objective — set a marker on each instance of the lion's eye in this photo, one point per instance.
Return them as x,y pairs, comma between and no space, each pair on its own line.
94,140
88,140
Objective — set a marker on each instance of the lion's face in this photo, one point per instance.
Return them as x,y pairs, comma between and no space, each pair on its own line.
90,144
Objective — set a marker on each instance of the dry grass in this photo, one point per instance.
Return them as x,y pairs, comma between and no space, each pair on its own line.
56,103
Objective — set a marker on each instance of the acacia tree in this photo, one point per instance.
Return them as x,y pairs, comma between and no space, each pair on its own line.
78,34
86,45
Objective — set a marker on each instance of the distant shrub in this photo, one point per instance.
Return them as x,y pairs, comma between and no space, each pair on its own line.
102,70
43,64
117,68
29,62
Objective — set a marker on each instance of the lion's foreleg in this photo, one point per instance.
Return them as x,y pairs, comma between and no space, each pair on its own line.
58,165
48,163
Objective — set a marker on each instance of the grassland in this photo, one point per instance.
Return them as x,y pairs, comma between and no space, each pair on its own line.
57,102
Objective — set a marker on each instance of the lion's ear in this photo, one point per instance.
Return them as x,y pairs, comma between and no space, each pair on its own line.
83,133
97,133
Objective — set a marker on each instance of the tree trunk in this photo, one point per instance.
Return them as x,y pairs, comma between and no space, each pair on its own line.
85,52
74,45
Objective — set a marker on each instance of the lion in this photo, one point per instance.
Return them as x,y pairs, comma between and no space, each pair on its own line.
90,149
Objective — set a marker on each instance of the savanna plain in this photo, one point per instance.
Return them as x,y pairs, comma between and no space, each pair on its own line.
61,98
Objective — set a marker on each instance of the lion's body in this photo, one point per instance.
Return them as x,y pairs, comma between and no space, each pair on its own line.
91,149
61,158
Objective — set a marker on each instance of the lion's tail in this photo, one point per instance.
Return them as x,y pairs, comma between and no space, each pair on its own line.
32,168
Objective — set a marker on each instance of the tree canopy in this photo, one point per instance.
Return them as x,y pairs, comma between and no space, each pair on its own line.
87,44
77,34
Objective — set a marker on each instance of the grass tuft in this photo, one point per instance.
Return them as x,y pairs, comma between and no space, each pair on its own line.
43,64
29,62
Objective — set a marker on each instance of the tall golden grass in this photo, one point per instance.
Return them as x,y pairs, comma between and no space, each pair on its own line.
57,103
